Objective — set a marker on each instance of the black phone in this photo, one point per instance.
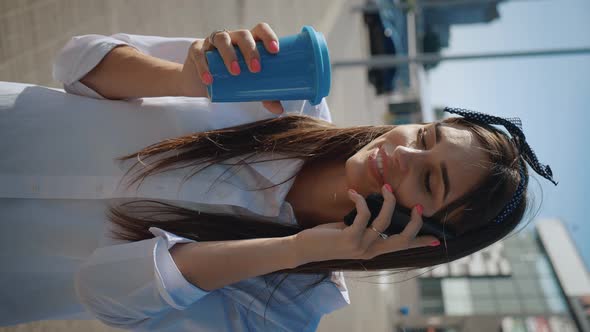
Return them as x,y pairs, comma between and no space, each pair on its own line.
400,218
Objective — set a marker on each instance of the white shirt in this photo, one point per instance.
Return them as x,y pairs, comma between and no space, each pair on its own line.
57,176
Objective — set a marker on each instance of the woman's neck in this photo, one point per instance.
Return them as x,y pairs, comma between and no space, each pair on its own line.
319,194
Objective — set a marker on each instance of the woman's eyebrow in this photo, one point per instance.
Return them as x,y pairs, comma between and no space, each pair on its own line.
443,166
445,177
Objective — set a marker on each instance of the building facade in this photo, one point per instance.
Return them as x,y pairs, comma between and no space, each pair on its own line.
509,286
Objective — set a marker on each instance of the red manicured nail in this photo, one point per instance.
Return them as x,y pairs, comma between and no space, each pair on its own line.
274,46
207,78
388,187
419,208
235,68
255,65
435,243
352,191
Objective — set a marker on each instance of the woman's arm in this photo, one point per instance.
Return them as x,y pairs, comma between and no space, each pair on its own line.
135,284
127,73
81,54
215,264
125,66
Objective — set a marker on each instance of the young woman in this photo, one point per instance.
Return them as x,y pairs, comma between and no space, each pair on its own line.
174,214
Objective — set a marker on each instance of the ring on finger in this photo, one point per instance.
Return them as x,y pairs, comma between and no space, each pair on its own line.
212,35
383,235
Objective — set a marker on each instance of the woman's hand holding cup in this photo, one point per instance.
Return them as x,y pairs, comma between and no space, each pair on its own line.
195,71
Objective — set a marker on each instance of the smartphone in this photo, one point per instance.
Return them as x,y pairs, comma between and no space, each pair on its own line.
400,218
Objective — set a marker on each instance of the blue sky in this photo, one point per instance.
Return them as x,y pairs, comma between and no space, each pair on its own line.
550,94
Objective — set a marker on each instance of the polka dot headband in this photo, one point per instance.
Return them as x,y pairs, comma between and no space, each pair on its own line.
514,127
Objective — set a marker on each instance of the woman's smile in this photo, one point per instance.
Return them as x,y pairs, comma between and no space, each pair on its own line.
380,163
374,168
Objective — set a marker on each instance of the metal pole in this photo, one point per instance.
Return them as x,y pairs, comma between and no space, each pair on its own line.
386,61
372,8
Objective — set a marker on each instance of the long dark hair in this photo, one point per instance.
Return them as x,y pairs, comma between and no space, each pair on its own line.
312,140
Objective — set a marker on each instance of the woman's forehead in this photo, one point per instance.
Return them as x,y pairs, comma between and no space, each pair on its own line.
464,157
458,135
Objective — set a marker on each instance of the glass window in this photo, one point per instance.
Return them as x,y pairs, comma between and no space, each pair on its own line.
455,288
556,304
509,306
430,287
543,267
549,286
433,302
522,269
457,296
535,305
431,296
481,287
484,307
528,287
433,311
456,307
432,307
504,287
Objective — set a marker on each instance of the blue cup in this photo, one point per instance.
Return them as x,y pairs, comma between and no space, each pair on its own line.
301,70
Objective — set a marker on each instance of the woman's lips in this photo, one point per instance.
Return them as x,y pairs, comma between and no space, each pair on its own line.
385,159
374,168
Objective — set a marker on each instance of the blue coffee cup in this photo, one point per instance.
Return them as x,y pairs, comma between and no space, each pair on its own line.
299,71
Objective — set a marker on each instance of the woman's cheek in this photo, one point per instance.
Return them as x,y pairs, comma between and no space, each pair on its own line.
405,196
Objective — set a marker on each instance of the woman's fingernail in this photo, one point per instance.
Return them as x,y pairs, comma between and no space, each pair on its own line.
388,187
274,46
435,243
352,191
235,67
255,65
207,78
419,208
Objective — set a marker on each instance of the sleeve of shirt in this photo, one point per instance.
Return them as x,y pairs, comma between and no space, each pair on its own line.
323,110
132,284
320,111
82,53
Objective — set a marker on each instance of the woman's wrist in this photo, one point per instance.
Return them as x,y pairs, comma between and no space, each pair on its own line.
297,257
301,250
188,84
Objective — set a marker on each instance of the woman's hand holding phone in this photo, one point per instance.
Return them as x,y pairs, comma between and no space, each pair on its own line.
339,241
195,71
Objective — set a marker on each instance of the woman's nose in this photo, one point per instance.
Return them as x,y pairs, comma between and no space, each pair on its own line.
405,156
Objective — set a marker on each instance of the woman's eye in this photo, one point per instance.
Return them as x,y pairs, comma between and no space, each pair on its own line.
423,137
427,183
